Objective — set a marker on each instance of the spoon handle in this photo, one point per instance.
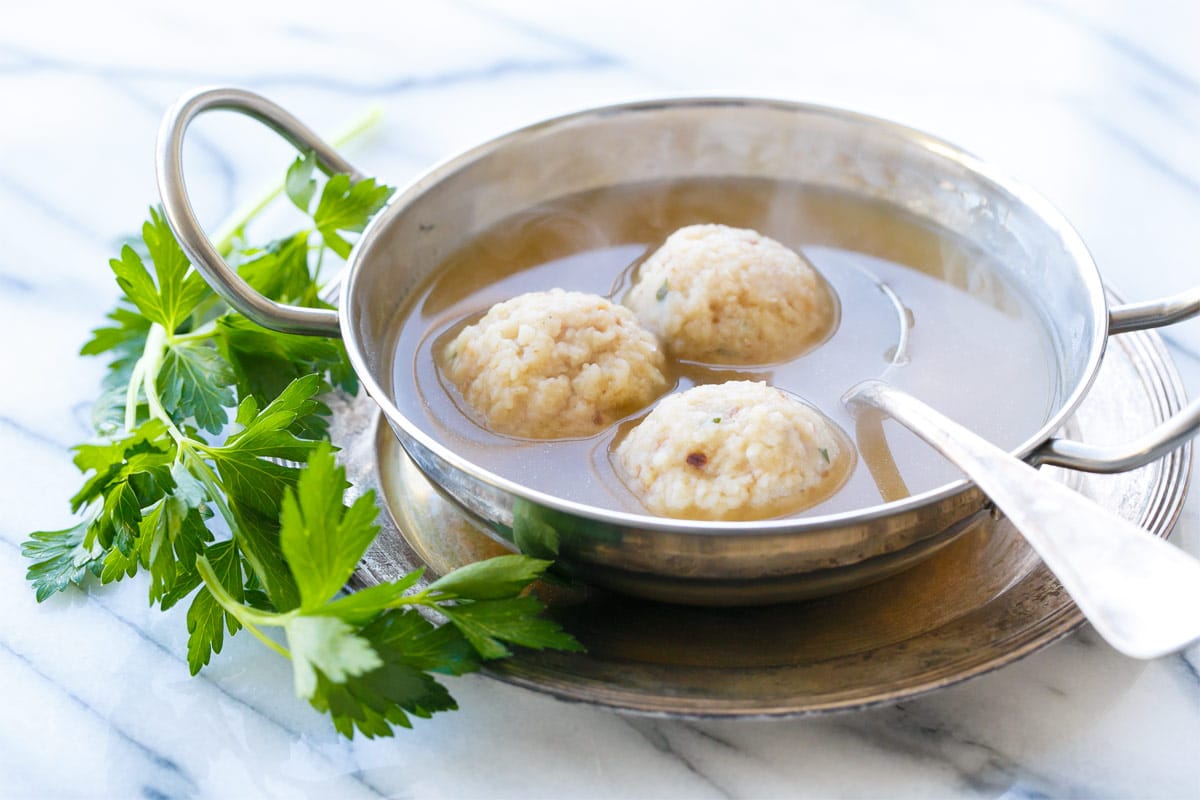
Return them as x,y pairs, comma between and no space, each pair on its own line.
1139,592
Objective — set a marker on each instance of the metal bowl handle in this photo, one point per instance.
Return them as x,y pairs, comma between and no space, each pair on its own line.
1158,442
1154,313
195,243
1123,457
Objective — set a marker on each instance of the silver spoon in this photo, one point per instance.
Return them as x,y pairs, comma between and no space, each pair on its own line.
1139,592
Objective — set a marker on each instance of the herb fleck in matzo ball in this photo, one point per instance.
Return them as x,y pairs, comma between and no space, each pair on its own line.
736,450
555,364
731,296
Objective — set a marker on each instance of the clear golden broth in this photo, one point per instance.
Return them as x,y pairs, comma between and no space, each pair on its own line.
975,350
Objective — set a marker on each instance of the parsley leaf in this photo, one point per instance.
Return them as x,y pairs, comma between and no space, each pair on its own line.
127,337
173,534
321,539
346,206
131,473
180,290
502,576
118,565
488,624
207,620
172,300
365,604
281,272
264,363
258,539
60,558
330,645
195,384
243,461
147,445
415,641
533,531
255,482
299,184
363,658
267,432
409,647
134,279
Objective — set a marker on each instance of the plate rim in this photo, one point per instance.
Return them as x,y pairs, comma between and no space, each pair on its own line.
1147,353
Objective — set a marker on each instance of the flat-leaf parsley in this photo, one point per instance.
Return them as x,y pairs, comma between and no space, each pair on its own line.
244,518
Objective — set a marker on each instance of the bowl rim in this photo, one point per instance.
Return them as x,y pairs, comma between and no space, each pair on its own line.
1072,243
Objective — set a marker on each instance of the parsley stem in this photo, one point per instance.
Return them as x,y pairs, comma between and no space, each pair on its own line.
267,640
225,235
421,598
131,395
151,363
146,371
188,448
204,473
205,331
145,376
316,273
249,618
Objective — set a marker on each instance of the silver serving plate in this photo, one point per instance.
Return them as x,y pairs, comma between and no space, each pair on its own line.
983,601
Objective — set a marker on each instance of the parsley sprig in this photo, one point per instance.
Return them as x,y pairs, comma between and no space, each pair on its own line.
246,517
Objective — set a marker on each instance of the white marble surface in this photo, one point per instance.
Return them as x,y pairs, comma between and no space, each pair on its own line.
1095,103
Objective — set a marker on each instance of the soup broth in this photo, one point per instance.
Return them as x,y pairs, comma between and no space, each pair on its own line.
918,307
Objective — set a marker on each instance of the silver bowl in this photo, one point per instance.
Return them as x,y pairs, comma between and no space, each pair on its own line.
708,563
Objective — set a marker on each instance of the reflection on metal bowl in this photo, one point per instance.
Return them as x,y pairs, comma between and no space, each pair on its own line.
716,563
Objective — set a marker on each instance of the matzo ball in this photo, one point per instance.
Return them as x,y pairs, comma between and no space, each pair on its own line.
726,295
555,364
733,451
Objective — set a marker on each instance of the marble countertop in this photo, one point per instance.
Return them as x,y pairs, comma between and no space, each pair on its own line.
1097,104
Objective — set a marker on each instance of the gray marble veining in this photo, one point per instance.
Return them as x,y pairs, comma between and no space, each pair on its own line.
1097,105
